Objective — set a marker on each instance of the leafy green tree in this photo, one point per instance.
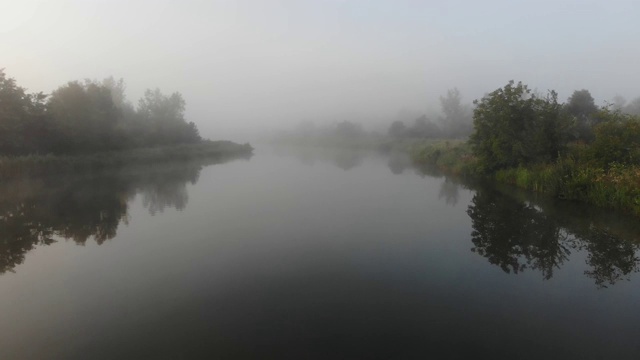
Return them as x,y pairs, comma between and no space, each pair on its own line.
513,126
616,139
581,104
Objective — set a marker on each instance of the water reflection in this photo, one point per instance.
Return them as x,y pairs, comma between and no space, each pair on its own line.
518,231
399,162
449,191
345,159
34,211
517,235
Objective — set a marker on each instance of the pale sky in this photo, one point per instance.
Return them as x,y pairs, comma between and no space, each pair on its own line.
260,64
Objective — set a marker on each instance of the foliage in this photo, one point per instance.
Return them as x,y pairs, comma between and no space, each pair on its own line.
457,120
514,127
87,117
454,157
582,109
617,140
22,119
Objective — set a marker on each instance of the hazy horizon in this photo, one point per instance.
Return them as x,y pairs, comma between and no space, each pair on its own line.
259,65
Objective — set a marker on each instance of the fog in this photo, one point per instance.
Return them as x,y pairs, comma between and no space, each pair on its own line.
248,67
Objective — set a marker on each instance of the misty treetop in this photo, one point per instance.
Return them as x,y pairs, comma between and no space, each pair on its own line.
88,116
454,123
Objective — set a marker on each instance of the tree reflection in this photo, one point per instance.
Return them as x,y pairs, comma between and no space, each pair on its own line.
348,159
611,258
399,162
449,190
517,235
33,212
168,189
342,158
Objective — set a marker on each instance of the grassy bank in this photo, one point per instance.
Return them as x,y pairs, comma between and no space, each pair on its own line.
572,177
48,164
449,156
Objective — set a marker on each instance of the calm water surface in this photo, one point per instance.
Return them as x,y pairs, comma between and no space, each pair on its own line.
309,255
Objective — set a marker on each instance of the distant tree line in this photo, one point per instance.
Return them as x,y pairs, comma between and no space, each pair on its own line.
534,127
88,116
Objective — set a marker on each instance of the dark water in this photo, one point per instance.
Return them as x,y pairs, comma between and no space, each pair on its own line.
304,255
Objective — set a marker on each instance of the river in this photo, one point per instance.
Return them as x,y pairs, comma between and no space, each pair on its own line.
309,254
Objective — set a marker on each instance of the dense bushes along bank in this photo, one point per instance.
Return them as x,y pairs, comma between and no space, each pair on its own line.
573,151
571,177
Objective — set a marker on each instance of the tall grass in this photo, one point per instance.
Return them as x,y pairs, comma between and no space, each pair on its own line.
571,177
450,156
617,187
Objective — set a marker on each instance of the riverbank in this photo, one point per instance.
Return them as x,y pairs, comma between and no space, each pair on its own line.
571,177
49,164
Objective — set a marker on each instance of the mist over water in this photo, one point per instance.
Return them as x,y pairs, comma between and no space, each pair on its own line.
297,253
137,222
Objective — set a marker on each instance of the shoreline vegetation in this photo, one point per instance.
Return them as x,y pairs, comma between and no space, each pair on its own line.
91,124
39,165
573,151
570,177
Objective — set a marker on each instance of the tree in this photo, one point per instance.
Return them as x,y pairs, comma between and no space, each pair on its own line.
397,129
21,118
424,128
86,116
513,126
164,117
457,121
616,139
582,108
348,129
